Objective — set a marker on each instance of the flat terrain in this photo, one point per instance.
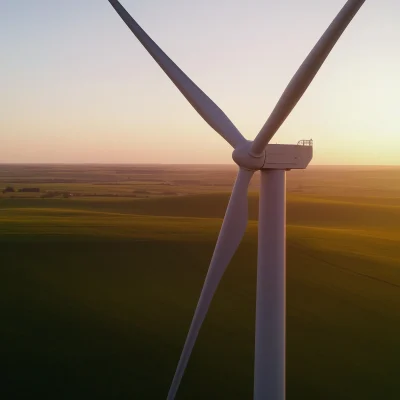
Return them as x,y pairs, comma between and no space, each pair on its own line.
102,266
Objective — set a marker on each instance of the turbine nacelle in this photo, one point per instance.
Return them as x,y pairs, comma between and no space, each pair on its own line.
275,156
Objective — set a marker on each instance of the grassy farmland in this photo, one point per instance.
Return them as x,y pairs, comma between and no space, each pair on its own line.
97,290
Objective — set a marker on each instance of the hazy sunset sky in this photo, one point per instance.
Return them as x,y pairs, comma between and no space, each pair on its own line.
77,86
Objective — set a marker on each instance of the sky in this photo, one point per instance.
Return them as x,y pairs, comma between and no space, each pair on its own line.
77,87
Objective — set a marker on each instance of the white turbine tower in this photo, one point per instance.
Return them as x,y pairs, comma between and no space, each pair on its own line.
273,161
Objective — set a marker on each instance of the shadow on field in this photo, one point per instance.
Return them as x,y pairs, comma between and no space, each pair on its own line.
107,319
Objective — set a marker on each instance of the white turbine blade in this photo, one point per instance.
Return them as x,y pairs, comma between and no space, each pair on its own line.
210,112
230,236
305,74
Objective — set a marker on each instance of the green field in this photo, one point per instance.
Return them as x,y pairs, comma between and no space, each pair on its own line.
97,290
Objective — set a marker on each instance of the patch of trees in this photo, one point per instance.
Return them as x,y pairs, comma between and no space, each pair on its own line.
9,189
29,190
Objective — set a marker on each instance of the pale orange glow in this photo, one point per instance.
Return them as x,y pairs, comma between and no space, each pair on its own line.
83,90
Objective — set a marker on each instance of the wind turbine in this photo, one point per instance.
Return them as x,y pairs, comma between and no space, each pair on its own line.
272,160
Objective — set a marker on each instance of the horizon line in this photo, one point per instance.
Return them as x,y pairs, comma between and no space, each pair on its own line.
184,164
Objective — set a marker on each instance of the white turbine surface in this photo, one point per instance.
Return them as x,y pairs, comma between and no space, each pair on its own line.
273,161
305,74
230,236
210,112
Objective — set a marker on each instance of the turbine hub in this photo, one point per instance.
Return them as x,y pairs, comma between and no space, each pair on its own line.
242,157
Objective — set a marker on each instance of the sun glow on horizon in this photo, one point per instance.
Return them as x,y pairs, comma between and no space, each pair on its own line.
78,88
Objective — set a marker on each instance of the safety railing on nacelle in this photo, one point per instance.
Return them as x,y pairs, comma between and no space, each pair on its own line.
305,142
